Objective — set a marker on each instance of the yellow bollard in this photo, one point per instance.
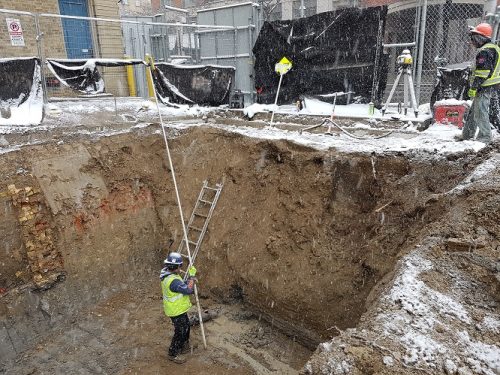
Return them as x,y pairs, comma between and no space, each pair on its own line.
132,91
149,59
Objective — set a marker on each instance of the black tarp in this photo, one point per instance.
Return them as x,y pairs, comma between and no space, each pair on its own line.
194,84
452,83
330,52
21,94
82,74
16,79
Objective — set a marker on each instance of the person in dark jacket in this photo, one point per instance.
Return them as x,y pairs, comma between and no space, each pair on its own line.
176,304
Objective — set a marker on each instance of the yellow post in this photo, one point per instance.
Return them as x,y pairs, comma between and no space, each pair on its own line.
132,91
150,61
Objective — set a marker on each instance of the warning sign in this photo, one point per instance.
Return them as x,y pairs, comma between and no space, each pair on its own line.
15,32
283,66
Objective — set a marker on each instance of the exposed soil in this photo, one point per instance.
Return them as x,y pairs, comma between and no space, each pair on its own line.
303,244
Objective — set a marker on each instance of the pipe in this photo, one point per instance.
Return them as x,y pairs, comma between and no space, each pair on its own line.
395,45
130,79
418,80
196,26
149,77
39,45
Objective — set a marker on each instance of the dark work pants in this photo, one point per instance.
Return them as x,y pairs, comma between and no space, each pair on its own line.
181,334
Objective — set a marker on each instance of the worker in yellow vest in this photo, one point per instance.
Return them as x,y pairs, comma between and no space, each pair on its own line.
485,78
176,304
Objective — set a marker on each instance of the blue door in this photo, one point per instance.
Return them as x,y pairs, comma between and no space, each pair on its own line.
77,34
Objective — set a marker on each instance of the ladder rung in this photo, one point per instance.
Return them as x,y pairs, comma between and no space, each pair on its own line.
209,188
193,243
197,229
196,214
204,201
184,255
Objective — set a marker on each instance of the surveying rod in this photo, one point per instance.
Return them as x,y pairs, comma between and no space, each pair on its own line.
276,99
149,60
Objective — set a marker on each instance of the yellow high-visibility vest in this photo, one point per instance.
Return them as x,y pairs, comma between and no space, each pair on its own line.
494,79
174,304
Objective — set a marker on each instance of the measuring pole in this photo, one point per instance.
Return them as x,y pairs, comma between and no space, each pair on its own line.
282,67
150,66
276,99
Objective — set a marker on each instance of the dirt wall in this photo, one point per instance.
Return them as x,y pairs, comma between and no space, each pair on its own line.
301,235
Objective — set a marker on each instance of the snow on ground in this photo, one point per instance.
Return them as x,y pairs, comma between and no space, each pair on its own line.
437,139
425,309
317,107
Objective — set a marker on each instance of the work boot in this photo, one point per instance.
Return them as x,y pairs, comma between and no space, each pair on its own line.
179,359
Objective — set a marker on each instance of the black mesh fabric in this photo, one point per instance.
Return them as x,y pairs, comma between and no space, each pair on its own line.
196,84
330,52
82,74
16,79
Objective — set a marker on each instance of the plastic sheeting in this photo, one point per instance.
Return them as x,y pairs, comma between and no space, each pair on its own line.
82,74
193,84
21,94
453,83
330,52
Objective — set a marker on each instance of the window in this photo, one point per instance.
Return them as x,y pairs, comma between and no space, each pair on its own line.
341,4
276,13
309,8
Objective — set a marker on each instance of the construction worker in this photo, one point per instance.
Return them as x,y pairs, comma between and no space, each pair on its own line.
485,79
176,304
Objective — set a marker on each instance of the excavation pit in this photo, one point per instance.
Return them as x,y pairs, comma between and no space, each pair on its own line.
302,242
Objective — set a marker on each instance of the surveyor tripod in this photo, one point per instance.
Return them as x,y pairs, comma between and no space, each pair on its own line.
405,72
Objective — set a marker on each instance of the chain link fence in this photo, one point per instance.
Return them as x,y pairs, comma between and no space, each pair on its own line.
439,31
18,36
68,38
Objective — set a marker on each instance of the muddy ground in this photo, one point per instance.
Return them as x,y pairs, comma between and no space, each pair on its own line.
300,240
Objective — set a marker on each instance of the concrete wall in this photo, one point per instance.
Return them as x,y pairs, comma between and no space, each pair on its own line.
110,44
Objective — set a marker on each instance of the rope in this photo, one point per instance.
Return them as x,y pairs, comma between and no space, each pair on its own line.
178,202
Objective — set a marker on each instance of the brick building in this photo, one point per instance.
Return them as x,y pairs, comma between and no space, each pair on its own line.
68,38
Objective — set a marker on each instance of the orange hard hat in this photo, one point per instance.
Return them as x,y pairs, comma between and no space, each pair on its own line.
483,29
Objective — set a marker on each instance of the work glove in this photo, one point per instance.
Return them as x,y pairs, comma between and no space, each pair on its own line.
192,271
472,93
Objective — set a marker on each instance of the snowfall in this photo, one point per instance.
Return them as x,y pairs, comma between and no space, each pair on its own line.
437,140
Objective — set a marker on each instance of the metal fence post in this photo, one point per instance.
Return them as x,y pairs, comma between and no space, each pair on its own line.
418,80
39,46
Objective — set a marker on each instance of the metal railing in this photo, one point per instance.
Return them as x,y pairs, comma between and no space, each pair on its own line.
55,36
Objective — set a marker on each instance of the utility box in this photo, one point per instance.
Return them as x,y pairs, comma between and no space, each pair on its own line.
451,112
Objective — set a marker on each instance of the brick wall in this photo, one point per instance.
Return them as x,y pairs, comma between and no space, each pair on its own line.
54,39
107,36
